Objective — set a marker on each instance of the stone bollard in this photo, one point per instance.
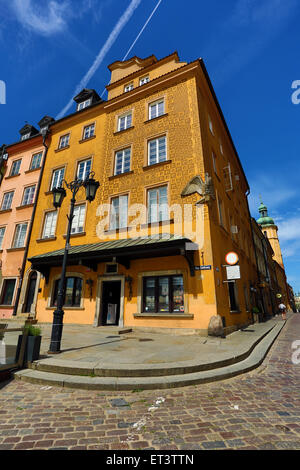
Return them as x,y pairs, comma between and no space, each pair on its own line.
215,327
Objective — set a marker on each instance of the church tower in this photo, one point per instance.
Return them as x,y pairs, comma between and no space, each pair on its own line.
270,230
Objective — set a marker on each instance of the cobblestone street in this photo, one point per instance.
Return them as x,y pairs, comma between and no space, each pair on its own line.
257,410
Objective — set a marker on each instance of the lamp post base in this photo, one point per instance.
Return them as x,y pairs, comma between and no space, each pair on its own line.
56,335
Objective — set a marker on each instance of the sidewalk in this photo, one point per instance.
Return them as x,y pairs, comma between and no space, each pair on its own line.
100,358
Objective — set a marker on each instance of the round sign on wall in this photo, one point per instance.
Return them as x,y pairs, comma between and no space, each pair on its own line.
231,258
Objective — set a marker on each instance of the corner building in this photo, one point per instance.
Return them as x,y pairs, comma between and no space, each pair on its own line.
150,251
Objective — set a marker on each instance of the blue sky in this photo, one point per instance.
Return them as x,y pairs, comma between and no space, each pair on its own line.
49,48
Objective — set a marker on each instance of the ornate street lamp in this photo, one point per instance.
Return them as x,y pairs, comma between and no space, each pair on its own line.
59,194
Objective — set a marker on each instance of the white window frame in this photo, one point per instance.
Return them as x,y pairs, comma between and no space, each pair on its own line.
118,212
127,121
210,125
157,155
4,205
25,136
39,154
28,195
2,286
128,87
78,221
84,104
144,80
19,235
61,172
155,105
49,228
64,141
14,165
89,131
2,235
160,208
121,153
85,172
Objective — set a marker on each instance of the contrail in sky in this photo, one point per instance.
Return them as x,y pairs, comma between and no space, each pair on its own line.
104,50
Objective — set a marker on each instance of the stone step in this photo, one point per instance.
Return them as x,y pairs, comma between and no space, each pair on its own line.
162,382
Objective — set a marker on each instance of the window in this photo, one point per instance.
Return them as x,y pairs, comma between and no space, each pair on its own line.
125,121
57,178
7,293
84,169
144,80
89,131
36,161
157,150
78,220
20,235
156,109
233,299
122,161
210,125
25,136
73,291
2,232
221,212
7,200
128,87
163,294
64,141
49,224
158,204
83,105
119,212
15,168
28,196
221,148
214,159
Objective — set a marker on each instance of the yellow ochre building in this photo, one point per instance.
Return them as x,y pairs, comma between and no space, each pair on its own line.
150,251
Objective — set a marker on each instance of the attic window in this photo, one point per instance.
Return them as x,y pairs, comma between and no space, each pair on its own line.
25,136
84,104
128,87
144,80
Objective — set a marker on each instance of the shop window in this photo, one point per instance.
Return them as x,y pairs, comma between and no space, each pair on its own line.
73,292
163,294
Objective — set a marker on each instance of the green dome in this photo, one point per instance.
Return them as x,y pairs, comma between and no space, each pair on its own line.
264,219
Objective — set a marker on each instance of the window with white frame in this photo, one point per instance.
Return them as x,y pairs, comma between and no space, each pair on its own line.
210,125
20,235
84,169
119,212
128,87
89,131
2,233
157,150
7,201
57,178
15,168
36,161
64,141
156,109
49,224
84,104
25,136
158,204
122,161
125,121
79,218
28,196
144,80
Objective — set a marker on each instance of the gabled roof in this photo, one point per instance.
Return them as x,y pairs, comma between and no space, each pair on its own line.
86,94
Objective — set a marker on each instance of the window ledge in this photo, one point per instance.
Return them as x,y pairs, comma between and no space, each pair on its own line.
79,234
11,176
156,118
123,130
25,206
61,149
47,193
88,138
158,224
118,230
164,315
5,210
49,239
9,250
66,308
32,170
148,167
6,306
121,174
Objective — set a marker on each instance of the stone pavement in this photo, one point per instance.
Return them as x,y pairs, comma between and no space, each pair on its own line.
258,410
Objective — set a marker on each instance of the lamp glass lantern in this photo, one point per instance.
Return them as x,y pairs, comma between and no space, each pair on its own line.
91,187
58,196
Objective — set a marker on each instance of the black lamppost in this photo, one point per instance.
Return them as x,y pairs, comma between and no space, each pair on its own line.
59,194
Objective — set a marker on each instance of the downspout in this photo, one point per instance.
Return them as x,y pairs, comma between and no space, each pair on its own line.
21,278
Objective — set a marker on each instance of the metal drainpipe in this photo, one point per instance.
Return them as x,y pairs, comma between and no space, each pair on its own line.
21,278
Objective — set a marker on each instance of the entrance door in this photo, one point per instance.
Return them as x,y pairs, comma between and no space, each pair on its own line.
111,293
30,293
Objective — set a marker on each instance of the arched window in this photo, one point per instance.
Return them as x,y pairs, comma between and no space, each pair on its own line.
73,291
